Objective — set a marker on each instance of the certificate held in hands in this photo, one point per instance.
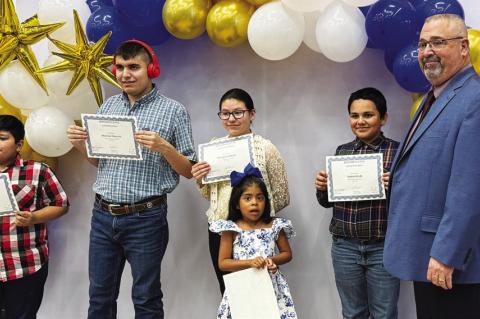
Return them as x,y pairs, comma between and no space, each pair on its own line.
111,136
225,156
355,177
8,203
250,294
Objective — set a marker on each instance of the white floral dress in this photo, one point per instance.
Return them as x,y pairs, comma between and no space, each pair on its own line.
259,242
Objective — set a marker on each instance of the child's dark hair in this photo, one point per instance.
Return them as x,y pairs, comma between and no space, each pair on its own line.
14,126
370,94
237,94
234,213
128,50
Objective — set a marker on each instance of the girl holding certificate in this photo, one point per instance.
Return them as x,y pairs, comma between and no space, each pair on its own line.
251,238
237,113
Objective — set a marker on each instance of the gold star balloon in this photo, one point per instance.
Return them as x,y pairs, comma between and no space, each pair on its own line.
85,59
16,38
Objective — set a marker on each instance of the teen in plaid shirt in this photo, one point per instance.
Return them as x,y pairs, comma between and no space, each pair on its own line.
358,227
24,240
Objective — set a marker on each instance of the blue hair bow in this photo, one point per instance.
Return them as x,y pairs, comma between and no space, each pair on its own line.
250,170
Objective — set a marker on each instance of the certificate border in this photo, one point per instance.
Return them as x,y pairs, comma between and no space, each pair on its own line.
248,137
380,195
13,202
138,152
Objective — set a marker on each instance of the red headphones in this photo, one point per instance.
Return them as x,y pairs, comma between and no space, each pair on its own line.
153,69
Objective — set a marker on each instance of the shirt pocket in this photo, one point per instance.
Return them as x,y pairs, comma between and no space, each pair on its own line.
25,195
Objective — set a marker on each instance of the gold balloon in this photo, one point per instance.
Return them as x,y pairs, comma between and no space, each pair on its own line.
185,19
258,3
8,109
474,39
417,100
86,60
227,22
26,151
16,39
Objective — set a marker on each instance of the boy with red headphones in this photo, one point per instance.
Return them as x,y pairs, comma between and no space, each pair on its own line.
129,221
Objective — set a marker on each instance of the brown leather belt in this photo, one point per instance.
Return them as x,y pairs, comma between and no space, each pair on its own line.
123,209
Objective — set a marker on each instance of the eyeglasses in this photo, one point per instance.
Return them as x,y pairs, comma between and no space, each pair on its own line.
436,44
237,114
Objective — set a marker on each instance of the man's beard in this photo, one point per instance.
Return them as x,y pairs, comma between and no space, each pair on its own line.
436,71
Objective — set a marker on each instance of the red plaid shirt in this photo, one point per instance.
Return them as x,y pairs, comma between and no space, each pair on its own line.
24,249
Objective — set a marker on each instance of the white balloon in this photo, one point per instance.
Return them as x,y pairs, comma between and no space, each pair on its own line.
19,88
360,3
46,131
275,32
341,32
51,11
306,5
310,37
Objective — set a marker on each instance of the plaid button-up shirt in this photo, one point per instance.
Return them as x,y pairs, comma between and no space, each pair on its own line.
365,220
125,181
24,249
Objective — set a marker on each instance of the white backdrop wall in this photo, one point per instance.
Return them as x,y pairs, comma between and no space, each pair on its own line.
301,107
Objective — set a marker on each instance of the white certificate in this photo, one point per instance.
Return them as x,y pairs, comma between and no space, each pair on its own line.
8,203
225,156
355,177
111,136
250,294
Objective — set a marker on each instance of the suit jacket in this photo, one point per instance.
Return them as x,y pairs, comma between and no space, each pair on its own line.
434,207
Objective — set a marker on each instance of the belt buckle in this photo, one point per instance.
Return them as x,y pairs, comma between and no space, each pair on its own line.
110,206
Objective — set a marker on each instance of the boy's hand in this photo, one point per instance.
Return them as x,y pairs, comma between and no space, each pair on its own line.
271,266
200,170
258,262
321,181
24,219
386,179
76,135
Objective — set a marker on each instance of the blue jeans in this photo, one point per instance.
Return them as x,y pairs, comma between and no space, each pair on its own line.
139,238
366,289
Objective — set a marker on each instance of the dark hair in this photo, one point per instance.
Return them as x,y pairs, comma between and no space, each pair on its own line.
14,126
234,213
128,50
237,94
371,94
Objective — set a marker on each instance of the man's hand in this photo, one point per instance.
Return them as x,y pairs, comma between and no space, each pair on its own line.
440,274
151,140
321,181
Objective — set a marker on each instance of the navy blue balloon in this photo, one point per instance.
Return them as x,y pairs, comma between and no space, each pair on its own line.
94,5
390,24
389,59
141,13
427,8
104,20
369,42
152,35
407,71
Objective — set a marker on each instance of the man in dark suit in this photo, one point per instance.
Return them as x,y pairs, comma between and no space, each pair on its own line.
433,233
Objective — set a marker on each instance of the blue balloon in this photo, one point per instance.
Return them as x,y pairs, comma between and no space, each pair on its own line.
390,24
97,4
141,13
407,71
152,35
369,42
104,20
389,58
427,8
